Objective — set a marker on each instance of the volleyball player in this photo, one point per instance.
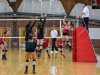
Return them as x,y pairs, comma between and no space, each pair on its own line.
3,45
59,45
28,29
30,49
45,45
40,34
65,33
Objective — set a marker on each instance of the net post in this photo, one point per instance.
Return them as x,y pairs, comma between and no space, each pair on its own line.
60,29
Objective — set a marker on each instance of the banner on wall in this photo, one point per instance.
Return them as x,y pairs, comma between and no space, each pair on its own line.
95,2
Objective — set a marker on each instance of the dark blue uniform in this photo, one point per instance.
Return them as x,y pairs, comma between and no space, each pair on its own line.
28,30
40,34
31,46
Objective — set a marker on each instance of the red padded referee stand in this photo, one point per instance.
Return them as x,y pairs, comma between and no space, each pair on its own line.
83,50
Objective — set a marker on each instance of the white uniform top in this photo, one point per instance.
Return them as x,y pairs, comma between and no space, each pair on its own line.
86,12
54,33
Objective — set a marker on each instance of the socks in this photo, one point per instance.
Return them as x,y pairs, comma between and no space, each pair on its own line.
40,50
33,66
34,69
36,51
34,63
3,53
3,56
26,70
26,67
70,47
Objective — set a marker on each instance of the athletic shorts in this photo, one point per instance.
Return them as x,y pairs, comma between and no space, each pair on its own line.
25,45
65,34
40,36
30,50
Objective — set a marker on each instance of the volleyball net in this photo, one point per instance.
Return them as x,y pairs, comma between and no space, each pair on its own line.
16,28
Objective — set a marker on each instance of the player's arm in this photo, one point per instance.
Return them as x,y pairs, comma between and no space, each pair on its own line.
84,12
64,20
44,20
28,25
34,22
41,18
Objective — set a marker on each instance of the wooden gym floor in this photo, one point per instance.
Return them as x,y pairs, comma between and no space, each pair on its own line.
56,65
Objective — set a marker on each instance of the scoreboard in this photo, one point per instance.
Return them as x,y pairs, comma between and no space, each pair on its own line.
95,4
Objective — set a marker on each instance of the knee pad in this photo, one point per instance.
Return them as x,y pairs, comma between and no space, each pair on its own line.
63,41
3,50
27,60
67,41
39,51
46,50
38,45
61,51
34,60
41,45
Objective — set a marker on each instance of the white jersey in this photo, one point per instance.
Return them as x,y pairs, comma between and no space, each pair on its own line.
86,12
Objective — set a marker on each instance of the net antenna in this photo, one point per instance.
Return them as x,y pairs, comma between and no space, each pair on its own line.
53,16
24,5
5,12
5,7
41,5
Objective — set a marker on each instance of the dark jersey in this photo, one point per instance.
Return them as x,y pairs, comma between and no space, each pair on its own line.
40,29
28,29
31,45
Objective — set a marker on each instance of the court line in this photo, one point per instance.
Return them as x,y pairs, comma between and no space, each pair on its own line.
35,19
8,69
19,69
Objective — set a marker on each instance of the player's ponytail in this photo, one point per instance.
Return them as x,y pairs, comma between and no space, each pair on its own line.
30,36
